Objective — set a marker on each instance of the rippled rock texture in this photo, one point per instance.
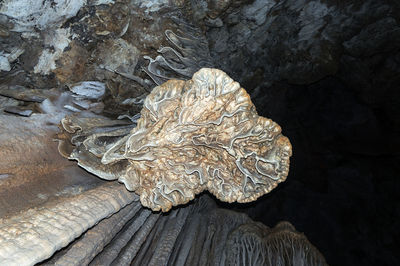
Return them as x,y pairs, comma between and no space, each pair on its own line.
54,213
185,130
326,71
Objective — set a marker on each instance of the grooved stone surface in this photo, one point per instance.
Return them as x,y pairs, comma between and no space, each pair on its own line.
36,234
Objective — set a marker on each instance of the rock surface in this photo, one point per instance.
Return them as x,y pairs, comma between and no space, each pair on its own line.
327,71
185,130
52,212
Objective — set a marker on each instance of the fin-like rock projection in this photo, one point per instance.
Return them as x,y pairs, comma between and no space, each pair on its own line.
196,135
188,52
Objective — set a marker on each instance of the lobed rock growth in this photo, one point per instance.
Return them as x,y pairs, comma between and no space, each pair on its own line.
196,135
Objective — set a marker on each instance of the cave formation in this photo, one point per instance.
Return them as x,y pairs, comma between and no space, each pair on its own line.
79,72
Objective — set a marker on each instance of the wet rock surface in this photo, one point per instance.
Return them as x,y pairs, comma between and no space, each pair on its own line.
327,71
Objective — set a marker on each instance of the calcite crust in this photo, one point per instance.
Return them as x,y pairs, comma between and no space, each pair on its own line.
196,135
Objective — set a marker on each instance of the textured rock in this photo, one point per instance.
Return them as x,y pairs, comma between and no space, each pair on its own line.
45,201
93,241
118,55
298,41
7,102
264,246
35,235
58,41
343,120
7,58
52,212
27,14
185,131
197,234
188,54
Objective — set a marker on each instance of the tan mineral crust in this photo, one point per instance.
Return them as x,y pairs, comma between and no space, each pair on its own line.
196,135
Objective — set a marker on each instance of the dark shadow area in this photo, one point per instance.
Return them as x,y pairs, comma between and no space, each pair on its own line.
343,183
